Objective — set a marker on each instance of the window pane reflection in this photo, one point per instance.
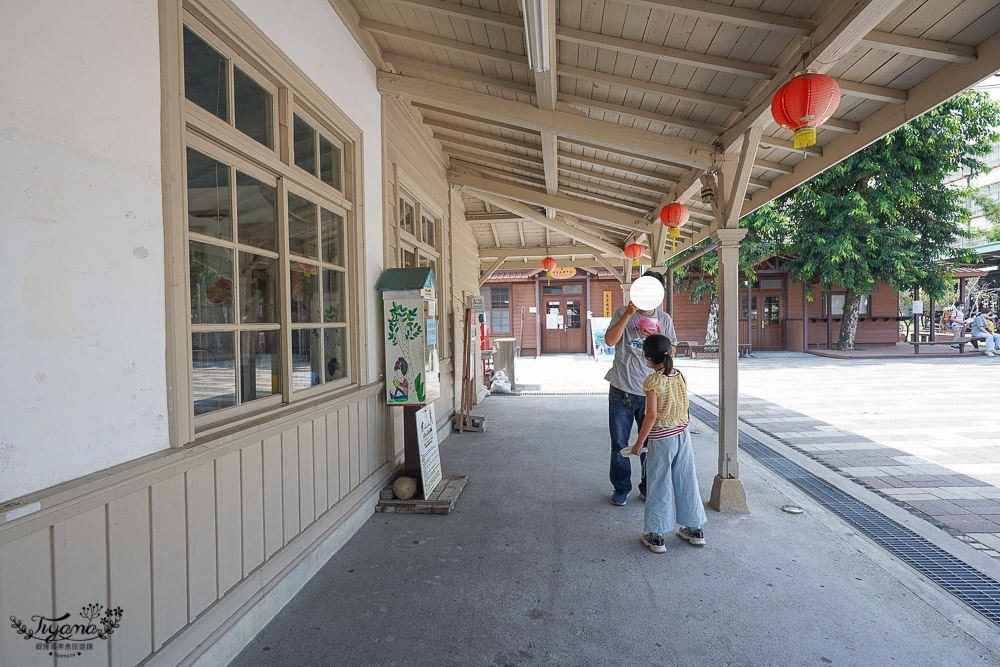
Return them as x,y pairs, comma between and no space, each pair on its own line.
206,73
334,296
302,227
211,284
256,212
208,196
258,288
334,352
329,162
260,365
252,106
307,359
305,145
332,233
213,371
305,292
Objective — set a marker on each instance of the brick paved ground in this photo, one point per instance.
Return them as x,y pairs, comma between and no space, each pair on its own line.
924,432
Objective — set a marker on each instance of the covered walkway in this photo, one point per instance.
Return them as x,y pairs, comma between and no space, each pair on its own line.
536,567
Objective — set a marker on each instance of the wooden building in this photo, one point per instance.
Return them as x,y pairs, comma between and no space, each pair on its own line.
777,301
201,196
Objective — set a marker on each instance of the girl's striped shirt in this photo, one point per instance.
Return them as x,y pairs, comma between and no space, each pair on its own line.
672,407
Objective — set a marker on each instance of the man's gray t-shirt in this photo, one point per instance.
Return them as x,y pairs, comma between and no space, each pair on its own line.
629,370
979,327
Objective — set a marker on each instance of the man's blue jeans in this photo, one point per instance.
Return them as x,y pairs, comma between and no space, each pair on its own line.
624,409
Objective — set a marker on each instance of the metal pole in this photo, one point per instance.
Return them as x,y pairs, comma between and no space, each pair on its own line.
750,313
670,290
961,297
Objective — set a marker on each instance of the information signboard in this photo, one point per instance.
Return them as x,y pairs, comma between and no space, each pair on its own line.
598,327
427,442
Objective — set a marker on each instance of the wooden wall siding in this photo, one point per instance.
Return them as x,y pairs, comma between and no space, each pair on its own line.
690,318
170,550
421,170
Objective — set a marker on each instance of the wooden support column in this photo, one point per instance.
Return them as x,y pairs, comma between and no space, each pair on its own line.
961,297
829,321
933,335
805,317
728,494
668,278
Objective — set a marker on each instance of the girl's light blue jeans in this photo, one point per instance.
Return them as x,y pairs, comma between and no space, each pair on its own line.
672,496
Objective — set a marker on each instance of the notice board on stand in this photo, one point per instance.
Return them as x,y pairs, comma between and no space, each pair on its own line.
427,444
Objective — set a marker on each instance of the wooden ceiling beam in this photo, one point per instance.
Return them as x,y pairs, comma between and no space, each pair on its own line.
666,53
457,129
920,47
538,251
734,15
683,94
507,155
528,195
611,179
651,144
554,225
405,65
466,12
453,45
653,116
869,92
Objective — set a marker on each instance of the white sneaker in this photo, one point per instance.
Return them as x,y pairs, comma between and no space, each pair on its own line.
989,353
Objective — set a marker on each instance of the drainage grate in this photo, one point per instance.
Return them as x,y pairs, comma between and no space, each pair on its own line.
968,584
552,393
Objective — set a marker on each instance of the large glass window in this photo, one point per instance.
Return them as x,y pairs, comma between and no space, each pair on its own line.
499,303
268,267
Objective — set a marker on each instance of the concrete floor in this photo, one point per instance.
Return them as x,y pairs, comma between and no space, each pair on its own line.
536,567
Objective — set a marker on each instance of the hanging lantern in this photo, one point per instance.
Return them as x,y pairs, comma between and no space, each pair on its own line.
633,251
805,103
548,264
673,216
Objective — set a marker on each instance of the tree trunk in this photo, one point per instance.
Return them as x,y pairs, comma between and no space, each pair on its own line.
712,327
849,323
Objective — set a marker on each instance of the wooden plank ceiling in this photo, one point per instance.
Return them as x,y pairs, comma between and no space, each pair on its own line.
644,96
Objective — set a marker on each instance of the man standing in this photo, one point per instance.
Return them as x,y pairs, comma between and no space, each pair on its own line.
626,400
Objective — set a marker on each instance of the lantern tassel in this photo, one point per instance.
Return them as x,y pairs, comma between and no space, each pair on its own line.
805,137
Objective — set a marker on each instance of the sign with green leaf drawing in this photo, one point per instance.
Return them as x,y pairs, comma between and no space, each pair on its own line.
409,306
402,328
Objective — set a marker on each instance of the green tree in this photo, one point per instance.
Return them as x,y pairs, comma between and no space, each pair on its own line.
884,213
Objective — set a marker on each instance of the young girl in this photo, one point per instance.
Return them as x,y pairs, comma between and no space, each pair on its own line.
671,484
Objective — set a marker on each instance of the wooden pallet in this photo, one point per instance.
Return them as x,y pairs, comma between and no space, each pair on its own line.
441,501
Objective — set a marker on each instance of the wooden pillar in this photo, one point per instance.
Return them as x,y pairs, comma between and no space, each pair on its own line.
728,494
587,322
669,280
933,336
805,317
961,297
750,313
829,320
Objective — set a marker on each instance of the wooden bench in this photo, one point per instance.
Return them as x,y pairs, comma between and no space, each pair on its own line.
694,348
957,341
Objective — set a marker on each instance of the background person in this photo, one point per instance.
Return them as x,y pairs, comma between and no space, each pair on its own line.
626,400
980,329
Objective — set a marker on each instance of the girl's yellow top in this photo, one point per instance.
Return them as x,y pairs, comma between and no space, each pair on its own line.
672,407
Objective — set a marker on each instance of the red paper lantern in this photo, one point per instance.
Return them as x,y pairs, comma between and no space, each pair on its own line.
805,103
548,264
633,251
673,216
